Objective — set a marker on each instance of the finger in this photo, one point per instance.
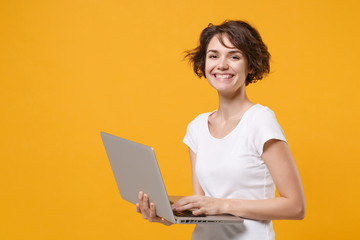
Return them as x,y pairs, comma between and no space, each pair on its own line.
185,200
188,206
145,206
145,203
140,199
152,216
152,210
199,211
165,222
138,208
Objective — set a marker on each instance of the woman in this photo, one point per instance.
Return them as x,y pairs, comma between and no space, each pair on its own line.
238,152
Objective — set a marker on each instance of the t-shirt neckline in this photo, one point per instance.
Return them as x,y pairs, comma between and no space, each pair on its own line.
232,131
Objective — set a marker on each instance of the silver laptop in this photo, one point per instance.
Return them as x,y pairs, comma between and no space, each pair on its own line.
135,169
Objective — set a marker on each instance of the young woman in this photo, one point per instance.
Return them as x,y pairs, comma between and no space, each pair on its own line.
238,152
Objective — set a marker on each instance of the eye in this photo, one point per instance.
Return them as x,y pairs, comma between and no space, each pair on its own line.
235,57
212,56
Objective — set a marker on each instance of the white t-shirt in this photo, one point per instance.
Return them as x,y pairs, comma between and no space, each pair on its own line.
232,167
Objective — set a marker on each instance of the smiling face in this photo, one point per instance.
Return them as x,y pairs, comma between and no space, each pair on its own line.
226,67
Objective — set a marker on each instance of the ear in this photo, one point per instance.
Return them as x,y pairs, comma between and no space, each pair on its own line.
250,70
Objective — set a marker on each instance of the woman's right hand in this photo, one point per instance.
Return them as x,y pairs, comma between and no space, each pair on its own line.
148,211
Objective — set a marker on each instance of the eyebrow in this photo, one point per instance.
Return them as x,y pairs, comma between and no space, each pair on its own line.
231,52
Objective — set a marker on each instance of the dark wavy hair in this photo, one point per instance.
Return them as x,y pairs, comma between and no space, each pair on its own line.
244,37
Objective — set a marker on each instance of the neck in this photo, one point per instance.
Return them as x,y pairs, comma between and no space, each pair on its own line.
233,105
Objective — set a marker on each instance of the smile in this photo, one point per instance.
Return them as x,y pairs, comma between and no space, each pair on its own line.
223,76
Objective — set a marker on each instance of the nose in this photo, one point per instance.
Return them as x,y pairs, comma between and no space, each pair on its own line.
222,65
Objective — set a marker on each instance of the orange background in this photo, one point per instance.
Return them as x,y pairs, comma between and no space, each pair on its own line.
70,69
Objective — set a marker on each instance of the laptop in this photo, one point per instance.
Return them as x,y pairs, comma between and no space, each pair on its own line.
135,169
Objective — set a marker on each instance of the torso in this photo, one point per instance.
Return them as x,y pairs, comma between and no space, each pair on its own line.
229,166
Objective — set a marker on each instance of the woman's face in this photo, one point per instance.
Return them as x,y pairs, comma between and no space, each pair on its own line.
226,68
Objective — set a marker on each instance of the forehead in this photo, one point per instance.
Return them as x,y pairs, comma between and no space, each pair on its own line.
220,41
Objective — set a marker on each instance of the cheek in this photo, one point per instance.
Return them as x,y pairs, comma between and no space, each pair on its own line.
242,68
209,67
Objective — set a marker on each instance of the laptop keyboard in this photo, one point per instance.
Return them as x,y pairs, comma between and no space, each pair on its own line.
186,213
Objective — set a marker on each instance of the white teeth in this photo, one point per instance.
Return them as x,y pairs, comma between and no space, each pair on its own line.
223,76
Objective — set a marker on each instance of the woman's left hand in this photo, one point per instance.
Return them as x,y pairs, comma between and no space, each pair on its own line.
201,205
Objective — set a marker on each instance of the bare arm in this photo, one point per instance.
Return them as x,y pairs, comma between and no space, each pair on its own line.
290,204
197,190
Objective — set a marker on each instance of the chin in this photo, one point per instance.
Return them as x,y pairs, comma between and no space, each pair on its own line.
226,88
226,91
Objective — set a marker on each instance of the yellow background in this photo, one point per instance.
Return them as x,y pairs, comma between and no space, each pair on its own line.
72,68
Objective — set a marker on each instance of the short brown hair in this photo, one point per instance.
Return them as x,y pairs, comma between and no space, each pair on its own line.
242,36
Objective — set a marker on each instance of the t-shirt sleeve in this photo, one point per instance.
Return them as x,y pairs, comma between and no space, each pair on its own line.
191,136
266,127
